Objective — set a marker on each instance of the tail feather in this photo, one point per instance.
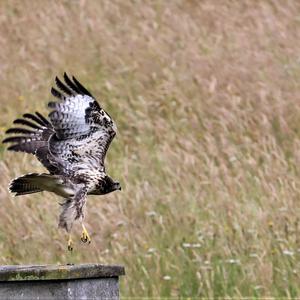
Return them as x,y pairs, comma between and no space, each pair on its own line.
24,185
34,183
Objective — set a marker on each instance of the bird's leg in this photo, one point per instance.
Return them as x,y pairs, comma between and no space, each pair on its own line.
70,242
85,237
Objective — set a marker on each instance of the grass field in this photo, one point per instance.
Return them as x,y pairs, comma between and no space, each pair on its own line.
206,96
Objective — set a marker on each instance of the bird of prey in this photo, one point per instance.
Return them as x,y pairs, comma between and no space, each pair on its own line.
71,144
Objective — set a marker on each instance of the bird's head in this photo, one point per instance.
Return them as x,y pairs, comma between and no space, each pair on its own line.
107,185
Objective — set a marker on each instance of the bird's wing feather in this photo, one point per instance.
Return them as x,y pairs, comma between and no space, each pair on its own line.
33,138
83,130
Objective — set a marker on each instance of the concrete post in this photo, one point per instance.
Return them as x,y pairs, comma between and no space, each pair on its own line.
86,281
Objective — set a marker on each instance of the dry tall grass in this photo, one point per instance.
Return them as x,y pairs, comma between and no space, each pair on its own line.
206,98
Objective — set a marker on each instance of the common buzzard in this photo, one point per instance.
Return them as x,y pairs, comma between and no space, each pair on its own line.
72,145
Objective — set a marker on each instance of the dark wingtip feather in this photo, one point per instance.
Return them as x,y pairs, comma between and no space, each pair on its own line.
69,82
43,119
52,104
27,115
27,123
81,88
6,140
61,86
34,118
56,93
15,148
19,130
13,139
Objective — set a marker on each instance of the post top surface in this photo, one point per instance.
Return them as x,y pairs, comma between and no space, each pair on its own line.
58,272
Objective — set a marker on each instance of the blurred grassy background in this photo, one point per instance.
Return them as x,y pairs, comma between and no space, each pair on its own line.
206,98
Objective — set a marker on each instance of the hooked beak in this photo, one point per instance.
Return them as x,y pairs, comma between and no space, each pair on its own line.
118,186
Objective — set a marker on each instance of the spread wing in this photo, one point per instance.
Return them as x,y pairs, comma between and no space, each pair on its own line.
31,136
83,130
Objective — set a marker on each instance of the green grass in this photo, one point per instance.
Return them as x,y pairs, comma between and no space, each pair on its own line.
205,96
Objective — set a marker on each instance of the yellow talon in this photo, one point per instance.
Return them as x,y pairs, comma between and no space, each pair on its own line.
70,243
85,237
